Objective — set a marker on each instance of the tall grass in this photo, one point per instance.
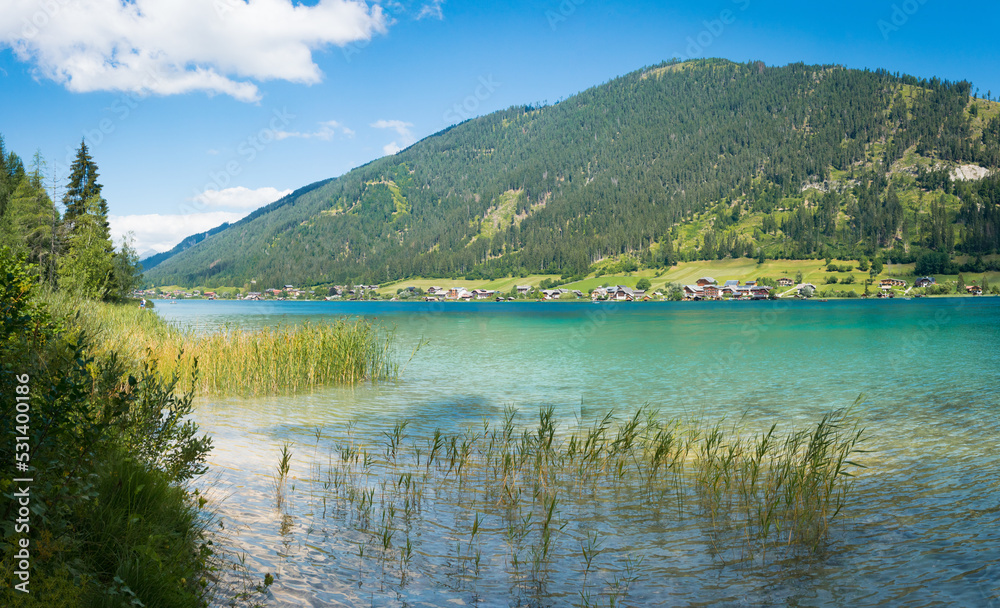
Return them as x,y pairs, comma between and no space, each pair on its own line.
238,361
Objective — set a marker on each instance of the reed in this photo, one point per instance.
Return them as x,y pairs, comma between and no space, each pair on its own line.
238,361
757,494
280,479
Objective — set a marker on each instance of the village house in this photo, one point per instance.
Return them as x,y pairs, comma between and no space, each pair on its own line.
712,291
693,292
524,289
975,290
483,294
924,282
621,293
785,282
706,281
890,283
436,291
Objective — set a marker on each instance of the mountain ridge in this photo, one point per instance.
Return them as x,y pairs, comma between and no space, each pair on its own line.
689,160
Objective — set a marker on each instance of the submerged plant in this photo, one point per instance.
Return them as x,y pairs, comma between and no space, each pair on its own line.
418,505
281,474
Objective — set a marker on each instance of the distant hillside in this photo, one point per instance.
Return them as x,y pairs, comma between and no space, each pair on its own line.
152,261
698,160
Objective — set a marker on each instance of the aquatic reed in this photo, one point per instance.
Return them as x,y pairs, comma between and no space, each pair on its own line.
237,361
756,494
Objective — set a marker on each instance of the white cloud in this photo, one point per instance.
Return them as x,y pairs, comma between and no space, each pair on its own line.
161,232
402,129
240,197
431,9
327,131
167,47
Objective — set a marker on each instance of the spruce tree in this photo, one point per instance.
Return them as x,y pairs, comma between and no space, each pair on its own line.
83,186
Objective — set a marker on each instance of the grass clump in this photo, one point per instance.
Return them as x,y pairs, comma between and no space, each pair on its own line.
237,361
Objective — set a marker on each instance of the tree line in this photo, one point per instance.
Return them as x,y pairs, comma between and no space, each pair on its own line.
73,250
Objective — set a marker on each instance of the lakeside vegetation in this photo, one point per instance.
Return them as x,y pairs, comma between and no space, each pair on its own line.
109,452
507,508
97,414
238,361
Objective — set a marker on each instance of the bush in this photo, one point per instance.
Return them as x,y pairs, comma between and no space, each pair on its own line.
643,284
831,280
108,516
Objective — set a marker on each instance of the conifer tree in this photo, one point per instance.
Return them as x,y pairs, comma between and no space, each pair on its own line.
83,186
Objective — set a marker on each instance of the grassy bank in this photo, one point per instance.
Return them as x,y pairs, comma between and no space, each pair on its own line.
238,361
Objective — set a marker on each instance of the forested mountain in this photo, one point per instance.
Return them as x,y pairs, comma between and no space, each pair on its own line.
696,160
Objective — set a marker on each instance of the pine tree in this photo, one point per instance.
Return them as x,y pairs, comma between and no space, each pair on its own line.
82,187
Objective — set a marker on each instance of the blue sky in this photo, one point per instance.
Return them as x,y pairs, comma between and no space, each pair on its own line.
199,111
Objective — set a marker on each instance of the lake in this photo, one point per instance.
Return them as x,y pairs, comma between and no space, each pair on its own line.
921,527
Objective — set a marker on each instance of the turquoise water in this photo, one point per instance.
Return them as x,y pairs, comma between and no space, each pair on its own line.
923,526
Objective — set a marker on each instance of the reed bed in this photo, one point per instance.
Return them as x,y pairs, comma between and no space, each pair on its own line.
498,508
238,361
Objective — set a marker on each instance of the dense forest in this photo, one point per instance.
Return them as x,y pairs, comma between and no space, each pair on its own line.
705,159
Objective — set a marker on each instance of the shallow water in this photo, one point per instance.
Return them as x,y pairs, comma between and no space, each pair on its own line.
922,527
